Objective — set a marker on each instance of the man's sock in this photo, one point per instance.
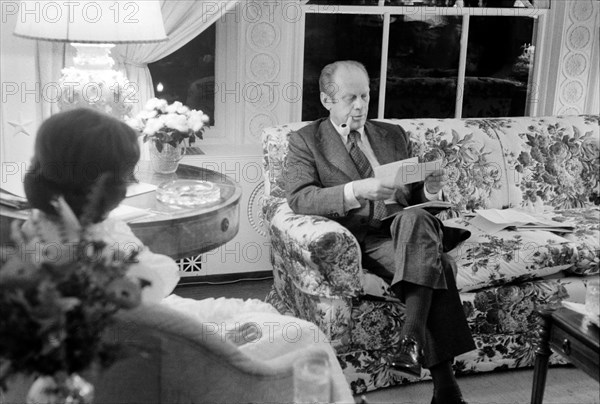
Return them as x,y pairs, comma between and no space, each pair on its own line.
445,387
418,302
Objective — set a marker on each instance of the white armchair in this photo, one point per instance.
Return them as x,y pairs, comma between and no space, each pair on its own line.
183,360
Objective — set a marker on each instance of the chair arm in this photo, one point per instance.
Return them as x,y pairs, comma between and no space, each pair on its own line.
320,256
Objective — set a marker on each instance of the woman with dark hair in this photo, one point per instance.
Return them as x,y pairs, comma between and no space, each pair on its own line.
83,161
76,149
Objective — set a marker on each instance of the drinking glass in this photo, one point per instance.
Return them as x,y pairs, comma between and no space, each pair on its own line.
592,297
312,380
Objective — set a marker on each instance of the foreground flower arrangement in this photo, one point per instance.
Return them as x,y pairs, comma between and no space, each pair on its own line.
164,123
57,298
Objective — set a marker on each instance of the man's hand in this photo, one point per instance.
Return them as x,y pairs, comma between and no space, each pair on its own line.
372,189
435,181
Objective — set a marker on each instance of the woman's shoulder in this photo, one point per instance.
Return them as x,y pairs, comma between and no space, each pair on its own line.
113,230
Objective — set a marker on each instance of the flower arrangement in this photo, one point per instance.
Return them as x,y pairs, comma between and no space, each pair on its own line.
164,123
57,297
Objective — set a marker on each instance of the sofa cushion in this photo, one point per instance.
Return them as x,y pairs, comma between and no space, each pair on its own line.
472,156
493,162
586,238
555,161
515,256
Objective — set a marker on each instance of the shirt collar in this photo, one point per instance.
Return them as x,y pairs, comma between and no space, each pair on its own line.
343,132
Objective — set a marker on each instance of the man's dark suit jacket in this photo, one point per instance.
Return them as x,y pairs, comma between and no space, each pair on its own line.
318,166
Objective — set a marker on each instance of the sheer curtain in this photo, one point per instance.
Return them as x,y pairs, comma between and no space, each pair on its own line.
183,19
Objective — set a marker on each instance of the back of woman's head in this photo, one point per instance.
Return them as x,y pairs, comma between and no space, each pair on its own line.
75,152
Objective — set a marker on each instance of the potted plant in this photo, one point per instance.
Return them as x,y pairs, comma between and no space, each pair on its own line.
55,308
166,126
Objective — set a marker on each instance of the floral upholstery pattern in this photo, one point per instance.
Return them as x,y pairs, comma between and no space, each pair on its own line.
503,277
517,256
559,162
502,320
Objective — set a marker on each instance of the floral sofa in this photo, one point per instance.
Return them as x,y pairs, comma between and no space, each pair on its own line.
542,164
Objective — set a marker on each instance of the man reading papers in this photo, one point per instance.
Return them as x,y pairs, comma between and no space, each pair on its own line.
330,172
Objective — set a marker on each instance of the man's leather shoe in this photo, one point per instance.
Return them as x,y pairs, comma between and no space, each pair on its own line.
408,357
453,401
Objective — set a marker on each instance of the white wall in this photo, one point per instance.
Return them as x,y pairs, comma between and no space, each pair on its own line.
19,110
570,59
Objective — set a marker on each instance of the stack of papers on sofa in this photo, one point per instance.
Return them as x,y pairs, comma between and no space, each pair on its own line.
494,220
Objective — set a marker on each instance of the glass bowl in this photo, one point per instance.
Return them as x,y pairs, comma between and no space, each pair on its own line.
188,193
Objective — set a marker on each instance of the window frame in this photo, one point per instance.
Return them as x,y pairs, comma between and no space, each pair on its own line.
537,13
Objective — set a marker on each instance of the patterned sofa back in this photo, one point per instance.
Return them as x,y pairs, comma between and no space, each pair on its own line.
491,162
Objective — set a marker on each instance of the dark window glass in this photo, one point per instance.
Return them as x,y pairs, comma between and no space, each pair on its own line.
440,3
422,68
188,74
499,61
344,2
331,37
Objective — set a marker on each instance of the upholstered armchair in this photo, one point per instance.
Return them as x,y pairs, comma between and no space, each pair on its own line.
318,275
178,359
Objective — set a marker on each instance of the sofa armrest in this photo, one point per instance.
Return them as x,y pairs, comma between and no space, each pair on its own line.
320,256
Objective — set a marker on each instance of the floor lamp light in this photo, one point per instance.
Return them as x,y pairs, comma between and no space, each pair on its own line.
93,28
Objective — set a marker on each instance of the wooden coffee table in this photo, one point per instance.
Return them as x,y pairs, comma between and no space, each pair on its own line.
568,334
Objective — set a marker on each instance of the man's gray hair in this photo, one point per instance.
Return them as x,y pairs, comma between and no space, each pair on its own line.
327,84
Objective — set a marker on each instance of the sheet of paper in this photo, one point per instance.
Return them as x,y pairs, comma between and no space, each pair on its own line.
415,172
494,220
127,213
139,188
12,178
387,173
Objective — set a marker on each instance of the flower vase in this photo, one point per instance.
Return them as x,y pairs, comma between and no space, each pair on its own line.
167,160
59,389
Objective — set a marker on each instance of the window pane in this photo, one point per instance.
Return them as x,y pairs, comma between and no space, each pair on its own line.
345,2
471,3
422,68
331,37
498,66
188,74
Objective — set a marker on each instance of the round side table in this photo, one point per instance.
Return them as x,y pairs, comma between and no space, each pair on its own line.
181,233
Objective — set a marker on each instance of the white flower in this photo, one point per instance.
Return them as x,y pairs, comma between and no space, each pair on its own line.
183,110
175,121
174,108
135,122
196,120
152,126
156,104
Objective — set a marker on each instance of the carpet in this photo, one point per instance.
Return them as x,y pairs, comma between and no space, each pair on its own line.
564,385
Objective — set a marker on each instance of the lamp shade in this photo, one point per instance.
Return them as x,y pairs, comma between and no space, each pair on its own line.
91,21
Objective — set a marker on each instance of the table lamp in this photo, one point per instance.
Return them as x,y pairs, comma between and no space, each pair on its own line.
93,28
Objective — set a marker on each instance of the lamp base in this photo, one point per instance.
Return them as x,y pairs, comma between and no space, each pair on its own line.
92,82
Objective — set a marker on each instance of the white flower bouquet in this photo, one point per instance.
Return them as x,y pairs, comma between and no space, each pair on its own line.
168,124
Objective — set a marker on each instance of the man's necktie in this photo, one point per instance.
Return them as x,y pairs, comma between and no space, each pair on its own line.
377,208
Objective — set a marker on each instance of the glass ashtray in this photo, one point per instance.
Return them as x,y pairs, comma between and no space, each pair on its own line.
188,193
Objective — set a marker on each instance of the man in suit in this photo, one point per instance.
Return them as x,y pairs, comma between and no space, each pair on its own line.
329,171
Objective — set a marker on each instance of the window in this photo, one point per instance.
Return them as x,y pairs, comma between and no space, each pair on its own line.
188,74
439,62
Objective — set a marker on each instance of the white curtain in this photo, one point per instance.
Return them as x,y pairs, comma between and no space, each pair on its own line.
183,19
